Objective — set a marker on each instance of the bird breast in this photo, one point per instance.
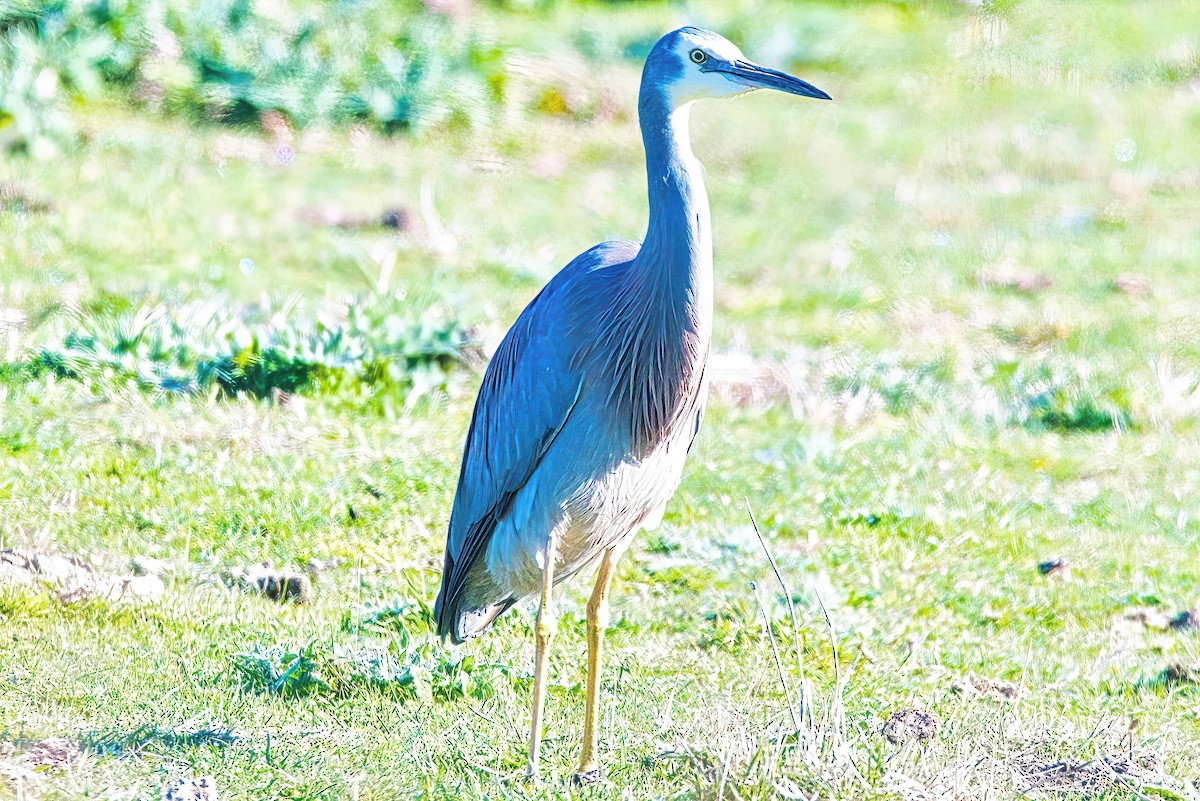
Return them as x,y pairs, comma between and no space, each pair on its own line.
655,376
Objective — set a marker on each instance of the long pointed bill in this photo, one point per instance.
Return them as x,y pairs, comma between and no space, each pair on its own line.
756,76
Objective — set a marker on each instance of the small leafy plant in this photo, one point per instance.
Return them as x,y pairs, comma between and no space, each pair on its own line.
259,351
1058,397
285,671
422,670
398,67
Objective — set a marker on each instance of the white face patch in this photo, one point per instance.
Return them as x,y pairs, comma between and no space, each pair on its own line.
695,83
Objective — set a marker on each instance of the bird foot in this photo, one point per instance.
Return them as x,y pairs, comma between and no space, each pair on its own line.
586,778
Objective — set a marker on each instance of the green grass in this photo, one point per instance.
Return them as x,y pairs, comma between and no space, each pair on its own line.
947,388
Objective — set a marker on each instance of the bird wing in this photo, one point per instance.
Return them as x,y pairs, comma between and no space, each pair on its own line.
528,393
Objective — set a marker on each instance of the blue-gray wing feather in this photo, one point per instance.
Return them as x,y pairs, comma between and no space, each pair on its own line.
528,392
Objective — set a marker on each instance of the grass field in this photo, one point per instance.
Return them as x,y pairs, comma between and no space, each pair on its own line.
958,338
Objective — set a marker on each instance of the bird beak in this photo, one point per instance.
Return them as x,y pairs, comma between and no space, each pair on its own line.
756,76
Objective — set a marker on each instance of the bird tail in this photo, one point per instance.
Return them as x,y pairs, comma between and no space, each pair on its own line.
465,624
468,601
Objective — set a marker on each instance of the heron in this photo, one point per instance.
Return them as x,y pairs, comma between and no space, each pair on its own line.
590,404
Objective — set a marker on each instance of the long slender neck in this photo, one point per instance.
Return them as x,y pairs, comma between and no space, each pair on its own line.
677,251
666,304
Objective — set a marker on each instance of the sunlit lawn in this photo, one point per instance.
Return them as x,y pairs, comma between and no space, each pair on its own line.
959,335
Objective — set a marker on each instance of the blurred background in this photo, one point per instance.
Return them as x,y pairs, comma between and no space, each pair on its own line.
1017,161
254,256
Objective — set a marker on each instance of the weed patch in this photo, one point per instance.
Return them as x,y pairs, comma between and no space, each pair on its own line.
1059,397
420,669
260,351
237,63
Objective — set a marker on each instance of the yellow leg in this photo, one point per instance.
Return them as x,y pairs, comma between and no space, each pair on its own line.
546,626
597,622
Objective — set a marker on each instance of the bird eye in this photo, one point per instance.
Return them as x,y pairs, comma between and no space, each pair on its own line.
699,56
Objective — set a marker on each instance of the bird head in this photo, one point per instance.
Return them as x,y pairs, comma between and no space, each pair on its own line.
693,64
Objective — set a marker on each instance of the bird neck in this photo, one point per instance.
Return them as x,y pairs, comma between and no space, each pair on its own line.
677,251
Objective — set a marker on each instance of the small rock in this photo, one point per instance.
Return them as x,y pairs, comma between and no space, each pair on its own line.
1132,284
397,218
55,567
1187,620
980,686
1149,617
150,587
73,580
278,585
910,725
70,576
54,753
74,594
12,572
286,587
275,124
201,788
1179,673
1055,568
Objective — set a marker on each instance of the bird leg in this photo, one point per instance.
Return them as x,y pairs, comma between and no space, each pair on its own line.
597,622
546,626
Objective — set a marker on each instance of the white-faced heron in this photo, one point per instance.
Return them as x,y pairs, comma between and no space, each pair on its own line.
592,401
